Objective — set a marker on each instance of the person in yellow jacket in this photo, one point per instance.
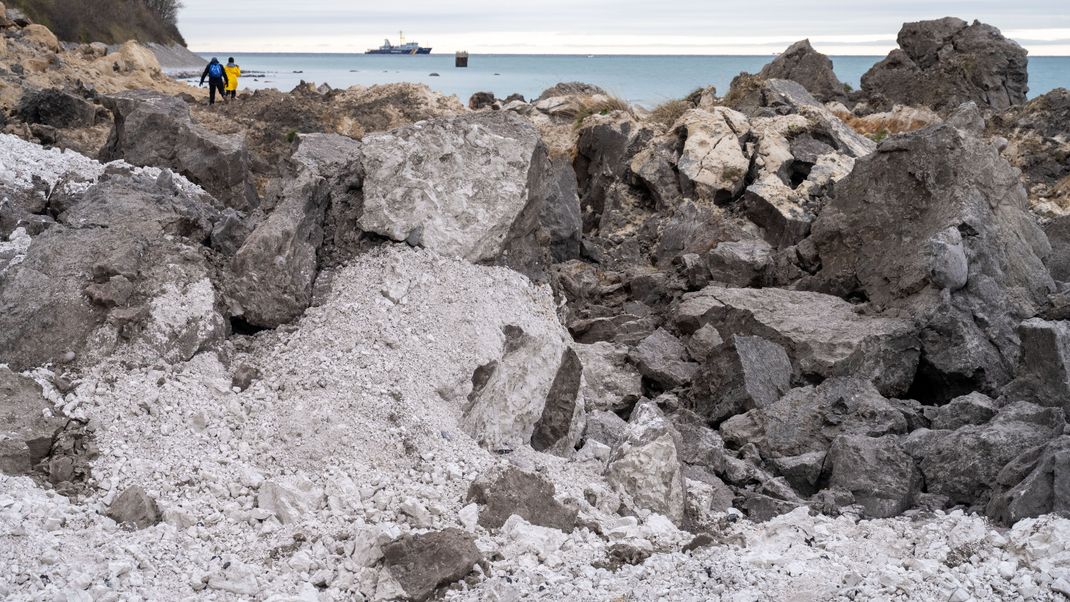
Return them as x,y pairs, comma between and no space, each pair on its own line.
233,73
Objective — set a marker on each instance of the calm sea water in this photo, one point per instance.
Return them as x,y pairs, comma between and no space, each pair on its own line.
646,80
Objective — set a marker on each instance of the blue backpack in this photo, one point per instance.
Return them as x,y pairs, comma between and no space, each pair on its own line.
215,70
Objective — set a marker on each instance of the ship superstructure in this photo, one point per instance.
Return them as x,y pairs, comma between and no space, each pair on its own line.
403,47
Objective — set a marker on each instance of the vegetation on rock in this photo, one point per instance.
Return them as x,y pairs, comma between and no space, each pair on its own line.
107,21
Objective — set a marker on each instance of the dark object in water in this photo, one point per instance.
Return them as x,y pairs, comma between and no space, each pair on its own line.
461,59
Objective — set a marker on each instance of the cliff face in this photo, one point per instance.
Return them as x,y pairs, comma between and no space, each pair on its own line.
107,21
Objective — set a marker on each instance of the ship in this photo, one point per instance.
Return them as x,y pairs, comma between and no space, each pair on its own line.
403,47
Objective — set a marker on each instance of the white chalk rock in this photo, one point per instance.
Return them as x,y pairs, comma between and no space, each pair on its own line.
289,502
646,467
523,538
455,185
713,165
469,516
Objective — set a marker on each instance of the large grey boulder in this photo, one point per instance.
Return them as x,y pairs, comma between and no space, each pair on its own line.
273,272
56,108
1033,484
1043,374
662,358
801,63
524,494
460,186
936,223
823,335
134,508
946,62
745,373
881,477
975,408
561,216
415,566
809,419
123,266
963,464
741,263
153,129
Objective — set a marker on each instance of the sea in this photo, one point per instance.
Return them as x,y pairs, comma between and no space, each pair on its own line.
643,80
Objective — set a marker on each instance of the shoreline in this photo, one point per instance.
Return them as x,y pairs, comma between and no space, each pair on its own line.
647,81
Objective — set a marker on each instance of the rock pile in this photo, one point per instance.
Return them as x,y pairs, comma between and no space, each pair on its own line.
560,348
1037,135
51,89
115,258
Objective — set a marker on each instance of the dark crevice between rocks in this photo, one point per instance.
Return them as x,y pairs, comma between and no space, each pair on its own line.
723,197
857,297
64,462
651,389
798,171
967,231
808,379
241,326
625,410
933,387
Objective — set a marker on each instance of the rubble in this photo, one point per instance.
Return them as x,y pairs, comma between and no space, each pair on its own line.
565,349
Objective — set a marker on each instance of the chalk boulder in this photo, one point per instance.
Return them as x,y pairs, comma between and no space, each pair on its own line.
465,186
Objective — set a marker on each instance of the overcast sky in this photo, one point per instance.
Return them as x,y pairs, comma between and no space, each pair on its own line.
602,26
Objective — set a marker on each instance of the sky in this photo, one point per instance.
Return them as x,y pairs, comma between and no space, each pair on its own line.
757,27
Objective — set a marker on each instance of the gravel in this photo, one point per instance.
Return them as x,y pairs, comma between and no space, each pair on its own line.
22,162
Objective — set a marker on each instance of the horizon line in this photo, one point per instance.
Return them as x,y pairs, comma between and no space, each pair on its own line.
572,54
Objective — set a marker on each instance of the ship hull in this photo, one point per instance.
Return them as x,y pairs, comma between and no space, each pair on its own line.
399,51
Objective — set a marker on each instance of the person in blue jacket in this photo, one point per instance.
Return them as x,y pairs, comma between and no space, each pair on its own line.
217,80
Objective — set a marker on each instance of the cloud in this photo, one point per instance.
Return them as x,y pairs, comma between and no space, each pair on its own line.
601,26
